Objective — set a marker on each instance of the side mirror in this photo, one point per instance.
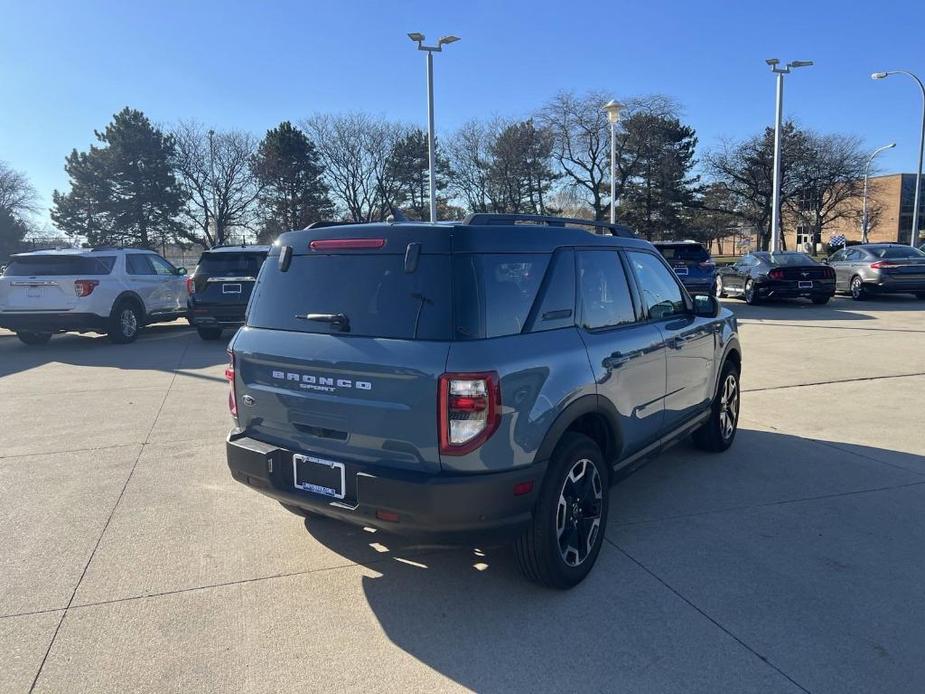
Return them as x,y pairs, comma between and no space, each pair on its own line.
181,270
706,306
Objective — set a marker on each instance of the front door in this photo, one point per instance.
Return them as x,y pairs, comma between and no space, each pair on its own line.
690,341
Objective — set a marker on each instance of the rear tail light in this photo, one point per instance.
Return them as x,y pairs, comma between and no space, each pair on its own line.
469,410
229,374
345,244
706,265
190,285
776,274
85,287
882,264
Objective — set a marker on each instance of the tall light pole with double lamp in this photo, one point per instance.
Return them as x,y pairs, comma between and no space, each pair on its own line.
779,109
865,222
914,237
431,148
613,109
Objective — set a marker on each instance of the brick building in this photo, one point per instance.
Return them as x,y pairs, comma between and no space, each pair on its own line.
890,201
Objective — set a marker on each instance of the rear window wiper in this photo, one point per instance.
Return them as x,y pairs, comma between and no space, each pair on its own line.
338,320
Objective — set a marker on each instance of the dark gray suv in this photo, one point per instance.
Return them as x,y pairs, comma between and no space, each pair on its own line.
485,377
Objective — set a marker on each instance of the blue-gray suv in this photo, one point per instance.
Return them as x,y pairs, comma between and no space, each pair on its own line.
486,377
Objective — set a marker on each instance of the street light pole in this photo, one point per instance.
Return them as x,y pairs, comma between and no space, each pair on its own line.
778,116
431,144
613,109
914,236
864,220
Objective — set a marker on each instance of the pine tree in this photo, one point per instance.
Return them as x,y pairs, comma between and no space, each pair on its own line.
293,192
12,232
123,191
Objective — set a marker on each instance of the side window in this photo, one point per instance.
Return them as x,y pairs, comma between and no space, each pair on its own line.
853,254
838,256
660,291
161,266
604,291
557,308
138,264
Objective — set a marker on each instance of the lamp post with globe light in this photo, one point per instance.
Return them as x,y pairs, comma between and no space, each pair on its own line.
613,109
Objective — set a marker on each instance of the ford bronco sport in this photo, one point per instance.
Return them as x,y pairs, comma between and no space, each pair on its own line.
491,376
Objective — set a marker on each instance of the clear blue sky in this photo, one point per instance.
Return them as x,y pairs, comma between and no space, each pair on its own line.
65,68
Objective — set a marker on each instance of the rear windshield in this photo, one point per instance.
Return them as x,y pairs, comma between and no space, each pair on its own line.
896,252
493,295
45,265
374,293
788,259
228,264
689,253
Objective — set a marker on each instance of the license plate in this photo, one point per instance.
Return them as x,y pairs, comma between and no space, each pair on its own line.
680,270
805,285
231,289
34,292
325,477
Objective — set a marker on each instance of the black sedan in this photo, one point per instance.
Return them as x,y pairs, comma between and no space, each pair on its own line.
763,275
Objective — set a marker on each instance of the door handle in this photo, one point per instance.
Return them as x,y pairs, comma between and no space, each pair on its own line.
615,360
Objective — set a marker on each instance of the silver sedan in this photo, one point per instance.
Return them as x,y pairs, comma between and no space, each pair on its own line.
875,268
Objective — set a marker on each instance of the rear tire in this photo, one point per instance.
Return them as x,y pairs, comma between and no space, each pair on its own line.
820,300
125,322
719,431
31,338
209,333
751,293
858,292
561,544
718,288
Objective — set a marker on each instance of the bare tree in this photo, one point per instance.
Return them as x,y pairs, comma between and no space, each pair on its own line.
830,179
218,180
469,151
355,149
17,194
581,135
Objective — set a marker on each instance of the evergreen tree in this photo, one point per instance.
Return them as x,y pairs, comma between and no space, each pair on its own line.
293,192
661,188
409,175
123,191
12,232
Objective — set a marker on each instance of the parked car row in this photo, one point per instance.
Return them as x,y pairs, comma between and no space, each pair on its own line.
117,291
861,271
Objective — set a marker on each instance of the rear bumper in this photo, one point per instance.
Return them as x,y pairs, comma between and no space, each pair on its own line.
775,291
699,285
438,507
897,286
53,322
214,315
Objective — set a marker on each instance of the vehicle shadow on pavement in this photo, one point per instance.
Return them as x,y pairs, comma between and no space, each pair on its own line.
162,347
712,526
839,308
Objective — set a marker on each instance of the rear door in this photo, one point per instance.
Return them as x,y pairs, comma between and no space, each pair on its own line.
627,356
363,387
45,282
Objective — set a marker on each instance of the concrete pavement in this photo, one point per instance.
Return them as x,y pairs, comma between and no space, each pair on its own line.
793,562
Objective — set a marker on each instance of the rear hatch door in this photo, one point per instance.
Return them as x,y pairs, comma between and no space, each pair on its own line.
226,277
44,283
690,261
363,390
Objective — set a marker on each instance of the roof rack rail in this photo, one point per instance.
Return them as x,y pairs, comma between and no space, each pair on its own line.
497,219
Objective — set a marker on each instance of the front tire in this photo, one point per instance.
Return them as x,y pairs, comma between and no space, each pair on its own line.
209,333
719,431
751,293
561,544
125,323
31,338
858,292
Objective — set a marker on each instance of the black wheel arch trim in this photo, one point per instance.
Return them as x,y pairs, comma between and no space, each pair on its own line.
586,404
731,347
134,297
